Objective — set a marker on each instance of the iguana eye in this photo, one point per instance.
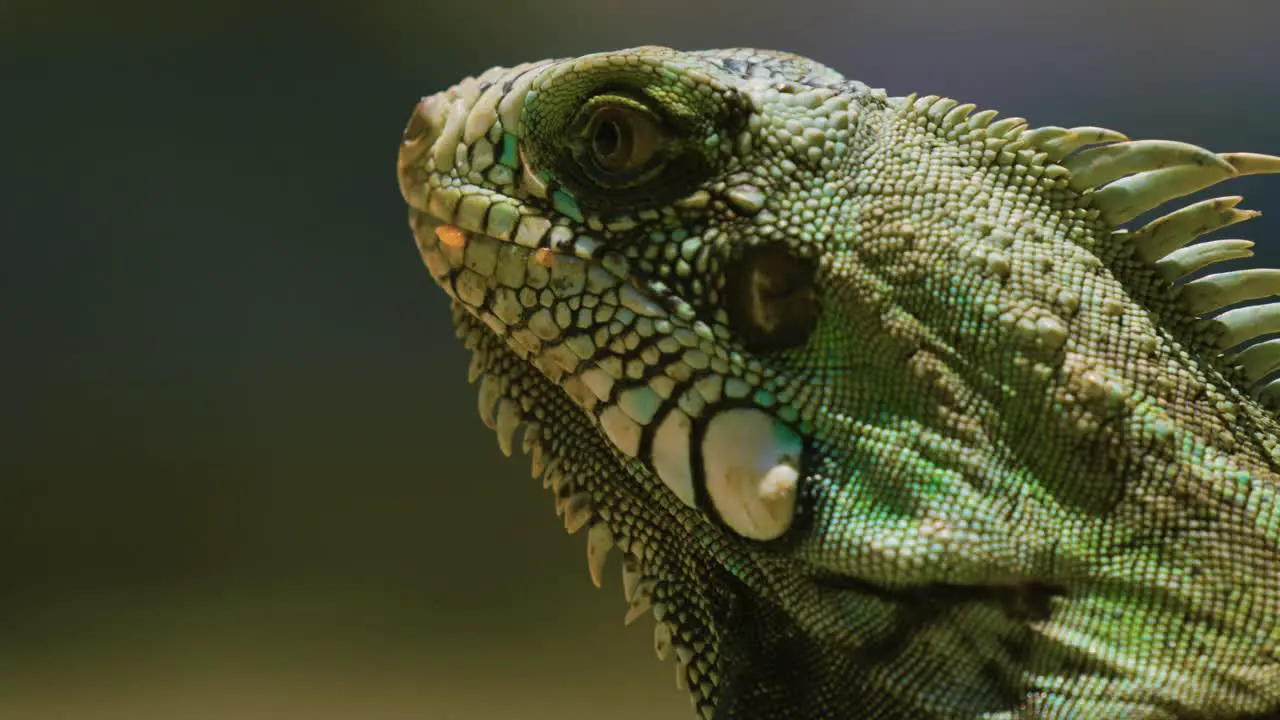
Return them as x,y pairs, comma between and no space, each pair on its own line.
770,298
621,139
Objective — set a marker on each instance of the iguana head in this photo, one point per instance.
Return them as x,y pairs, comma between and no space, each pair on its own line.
879,404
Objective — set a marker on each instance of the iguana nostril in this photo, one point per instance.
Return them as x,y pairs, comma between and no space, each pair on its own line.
420,135
418,128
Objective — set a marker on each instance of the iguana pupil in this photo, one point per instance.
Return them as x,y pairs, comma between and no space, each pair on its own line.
610,150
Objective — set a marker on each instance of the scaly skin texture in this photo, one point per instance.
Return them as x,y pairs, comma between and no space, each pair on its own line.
888,414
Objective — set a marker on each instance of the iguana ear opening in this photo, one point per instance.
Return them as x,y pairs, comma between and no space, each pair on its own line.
771,300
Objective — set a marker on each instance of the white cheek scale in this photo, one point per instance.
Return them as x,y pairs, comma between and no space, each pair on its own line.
671,455
750,464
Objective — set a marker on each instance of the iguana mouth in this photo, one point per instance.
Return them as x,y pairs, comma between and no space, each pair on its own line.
529,292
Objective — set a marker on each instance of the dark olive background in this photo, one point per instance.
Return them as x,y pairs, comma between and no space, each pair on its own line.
241,473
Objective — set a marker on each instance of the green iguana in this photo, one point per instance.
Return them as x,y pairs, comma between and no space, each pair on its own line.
887,411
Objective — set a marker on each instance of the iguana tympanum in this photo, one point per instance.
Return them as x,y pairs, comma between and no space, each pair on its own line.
890,409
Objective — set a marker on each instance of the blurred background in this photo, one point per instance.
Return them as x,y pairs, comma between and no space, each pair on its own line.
241,473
